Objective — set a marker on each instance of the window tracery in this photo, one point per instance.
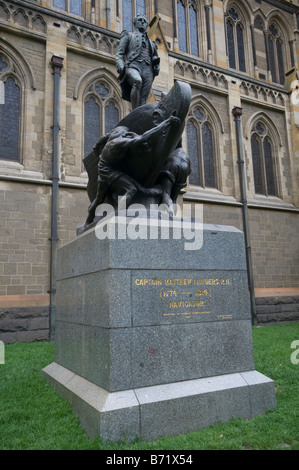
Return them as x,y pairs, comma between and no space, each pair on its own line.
201,149
101,112
71,6
235,40
263,160
188,31
276,55
131,8
10,111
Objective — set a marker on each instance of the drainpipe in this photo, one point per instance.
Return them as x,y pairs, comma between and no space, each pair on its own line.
237,113
56,64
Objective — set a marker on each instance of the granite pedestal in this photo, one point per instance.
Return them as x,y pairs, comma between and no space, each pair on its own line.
152,338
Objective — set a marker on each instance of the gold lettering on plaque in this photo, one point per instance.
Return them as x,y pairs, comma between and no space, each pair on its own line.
178,282
186,303
178,294
211,282
225,282
148,282
168,293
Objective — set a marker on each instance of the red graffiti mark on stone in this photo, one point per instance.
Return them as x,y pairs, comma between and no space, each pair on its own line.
152,350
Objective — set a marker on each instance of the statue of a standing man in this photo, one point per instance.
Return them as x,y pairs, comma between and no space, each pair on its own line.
137,63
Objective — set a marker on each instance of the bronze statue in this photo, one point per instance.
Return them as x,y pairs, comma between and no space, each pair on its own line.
121,144
142,158
137,63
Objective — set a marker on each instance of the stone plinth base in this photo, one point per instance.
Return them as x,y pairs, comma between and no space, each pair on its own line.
153,338
167,409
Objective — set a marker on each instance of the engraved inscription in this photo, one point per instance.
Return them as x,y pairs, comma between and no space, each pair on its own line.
190,296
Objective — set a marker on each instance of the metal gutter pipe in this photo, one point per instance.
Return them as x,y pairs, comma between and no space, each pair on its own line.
56,64
237,113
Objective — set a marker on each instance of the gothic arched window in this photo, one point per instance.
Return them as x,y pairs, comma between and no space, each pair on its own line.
10,113
101,113
276,59
188,26
71,6
201,149
182,26
193,29
263,161
131,8
235,40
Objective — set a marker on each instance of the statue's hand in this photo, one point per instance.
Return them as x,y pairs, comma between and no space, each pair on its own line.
120,69
155,191
169,121
174,120
168,202
156,70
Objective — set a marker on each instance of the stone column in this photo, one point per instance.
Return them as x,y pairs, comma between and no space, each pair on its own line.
219,32
256,74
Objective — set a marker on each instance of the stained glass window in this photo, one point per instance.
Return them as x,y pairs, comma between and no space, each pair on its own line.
269,167
233,14
72,6
240,42
230,44
10,121
75,7
92,118
235,41
276,54
111,116
182,29
193,152
199,114
59,4
201,149
187,21
127,15
101,113
260,128
280,61
208,156
193,30
102,90
273,30
130,9
140,7
257,164
262,161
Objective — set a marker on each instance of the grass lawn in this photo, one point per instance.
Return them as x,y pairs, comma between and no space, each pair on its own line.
34,417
